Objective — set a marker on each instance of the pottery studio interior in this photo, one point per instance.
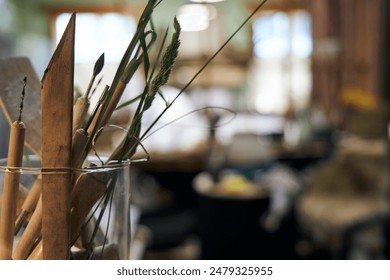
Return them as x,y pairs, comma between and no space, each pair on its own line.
268,136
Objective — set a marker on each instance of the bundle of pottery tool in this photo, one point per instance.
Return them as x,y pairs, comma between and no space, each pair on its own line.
46,220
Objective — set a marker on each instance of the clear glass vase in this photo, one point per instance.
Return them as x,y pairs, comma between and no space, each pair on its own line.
99,212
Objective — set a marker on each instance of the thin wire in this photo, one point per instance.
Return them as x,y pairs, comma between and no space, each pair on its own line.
205,65
21,102
192,112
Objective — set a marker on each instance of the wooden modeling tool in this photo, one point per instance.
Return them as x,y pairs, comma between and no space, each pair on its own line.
79,144
22,195
29,204
83,103
30,235
11,184
88,190
57,115
12,71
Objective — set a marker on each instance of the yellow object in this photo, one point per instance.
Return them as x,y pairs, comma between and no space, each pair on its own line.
359,98
235,184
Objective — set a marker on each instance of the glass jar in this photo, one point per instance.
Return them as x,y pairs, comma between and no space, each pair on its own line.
99,212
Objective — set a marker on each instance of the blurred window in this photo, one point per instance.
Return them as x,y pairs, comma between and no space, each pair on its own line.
281,73
96,33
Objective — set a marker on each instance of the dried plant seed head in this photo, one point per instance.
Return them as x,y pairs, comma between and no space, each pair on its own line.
177,27
167,61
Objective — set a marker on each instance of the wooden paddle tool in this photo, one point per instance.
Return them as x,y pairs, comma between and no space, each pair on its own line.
57,115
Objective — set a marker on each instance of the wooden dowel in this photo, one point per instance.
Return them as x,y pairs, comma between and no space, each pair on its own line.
101,120
29,203
22,195
88,190
80,111
83,103
37,253
116,96
93,121
11,189
79,143
30,234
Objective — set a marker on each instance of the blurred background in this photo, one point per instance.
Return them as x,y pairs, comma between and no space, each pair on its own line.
278,150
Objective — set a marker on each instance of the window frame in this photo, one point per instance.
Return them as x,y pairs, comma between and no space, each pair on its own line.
287,7
53,11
